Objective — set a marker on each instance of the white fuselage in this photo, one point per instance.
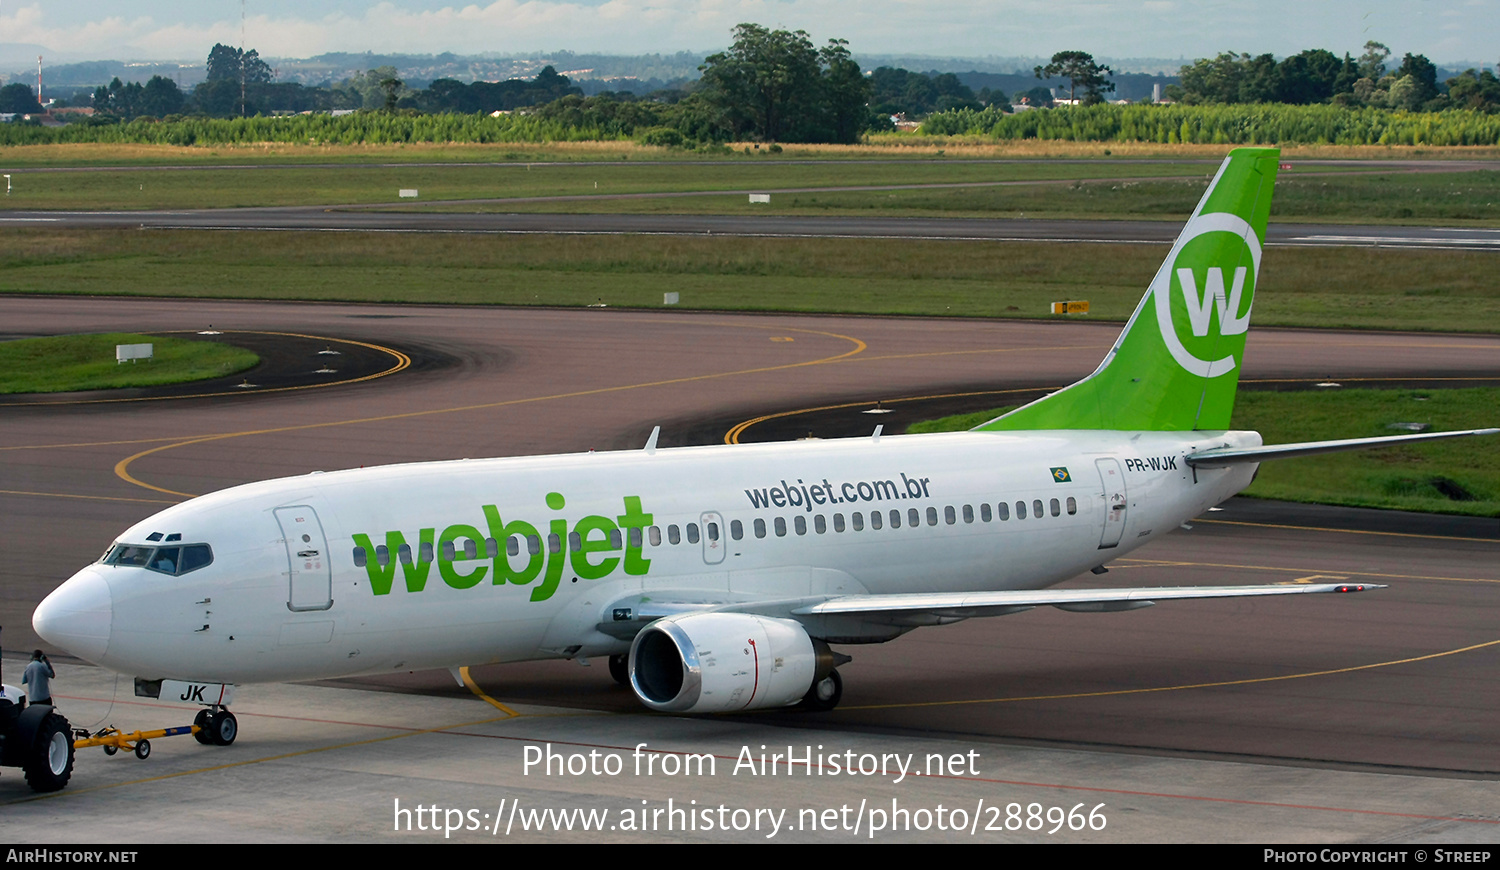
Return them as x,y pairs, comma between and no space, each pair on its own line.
284,597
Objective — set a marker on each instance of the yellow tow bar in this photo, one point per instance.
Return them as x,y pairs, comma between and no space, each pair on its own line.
113,740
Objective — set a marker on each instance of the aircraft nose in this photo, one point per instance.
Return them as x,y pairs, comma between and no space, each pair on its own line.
77,615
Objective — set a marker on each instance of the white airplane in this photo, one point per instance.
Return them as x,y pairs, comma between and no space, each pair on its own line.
714,578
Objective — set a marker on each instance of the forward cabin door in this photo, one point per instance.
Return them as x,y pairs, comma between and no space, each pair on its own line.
1116,505
309,572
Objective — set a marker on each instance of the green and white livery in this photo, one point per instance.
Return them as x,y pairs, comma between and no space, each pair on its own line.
712,578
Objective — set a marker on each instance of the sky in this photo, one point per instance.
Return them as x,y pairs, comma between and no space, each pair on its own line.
1443,30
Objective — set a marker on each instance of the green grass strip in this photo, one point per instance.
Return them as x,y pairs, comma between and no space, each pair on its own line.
87,362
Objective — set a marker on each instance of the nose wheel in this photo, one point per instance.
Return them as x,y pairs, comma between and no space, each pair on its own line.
216,727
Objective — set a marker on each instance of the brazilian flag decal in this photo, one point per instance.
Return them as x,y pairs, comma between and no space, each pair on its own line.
1060,475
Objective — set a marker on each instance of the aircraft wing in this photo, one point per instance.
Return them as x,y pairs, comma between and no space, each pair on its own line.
1221,457
924,607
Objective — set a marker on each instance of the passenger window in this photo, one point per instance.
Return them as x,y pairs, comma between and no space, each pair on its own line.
1056,508
736,530
575,542
674,534
1072,506
404,554
512,546
895,519
692,533
656,536
448,551
914,519
359,557
838,522
949,516
984,513
713,531
382,555
554,543
534,544
760,528
635,538
800,522
1020,510
858,519
780,527
968,513
1004,510
425,552
491,548
614,539
1036,508
820,525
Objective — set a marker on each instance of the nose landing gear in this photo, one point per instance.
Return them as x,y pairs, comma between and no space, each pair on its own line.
215,726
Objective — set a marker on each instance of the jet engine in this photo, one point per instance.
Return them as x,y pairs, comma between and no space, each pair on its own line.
718,662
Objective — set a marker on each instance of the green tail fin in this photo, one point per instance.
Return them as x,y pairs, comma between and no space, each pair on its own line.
1176,365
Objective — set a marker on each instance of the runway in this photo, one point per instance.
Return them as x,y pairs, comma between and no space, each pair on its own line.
363,219
1376,709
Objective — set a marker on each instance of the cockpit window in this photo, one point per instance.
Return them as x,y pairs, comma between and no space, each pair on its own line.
175,561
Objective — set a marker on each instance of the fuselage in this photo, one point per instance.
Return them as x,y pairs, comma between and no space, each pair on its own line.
467,562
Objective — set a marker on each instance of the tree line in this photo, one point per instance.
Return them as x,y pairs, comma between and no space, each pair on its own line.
1320,76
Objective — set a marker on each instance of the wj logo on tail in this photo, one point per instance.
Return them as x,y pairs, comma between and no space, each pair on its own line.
1202,305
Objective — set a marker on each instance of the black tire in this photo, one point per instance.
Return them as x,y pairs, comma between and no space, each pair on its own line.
110,750
202,735
49,765
825,694
143,750
619,668
223,728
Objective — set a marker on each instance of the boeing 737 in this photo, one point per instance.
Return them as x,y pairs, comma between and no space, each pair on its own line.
713,578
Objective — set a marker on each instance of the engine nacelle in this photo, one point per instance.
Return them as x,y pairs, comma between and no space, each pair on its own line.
718,662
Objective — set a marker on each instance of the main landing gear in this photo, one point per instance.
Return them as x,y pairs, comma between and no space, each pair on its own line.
824,695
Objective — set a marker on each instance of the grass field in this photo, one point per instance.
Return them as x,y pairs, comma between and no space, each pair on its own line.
1444,290
1102,188
269,185
1461,476
1457,198
903,146
87,362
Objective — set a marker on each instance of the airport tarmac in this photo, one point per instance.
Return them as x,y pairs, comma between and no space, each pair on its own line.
1332,719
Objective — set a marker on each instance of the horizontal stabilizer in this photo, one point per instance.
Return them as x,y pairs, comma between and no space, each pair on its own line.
1225,457
966,605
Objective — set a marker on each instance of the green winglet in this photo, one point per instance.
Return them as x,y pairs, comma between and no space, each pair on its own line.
1176,365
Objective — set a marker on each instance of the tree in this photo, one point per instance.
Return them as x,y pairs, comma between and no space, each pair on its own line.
1079,69
1372,62
228,62
764,79
19,98
392,87
1471,90
1424,80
